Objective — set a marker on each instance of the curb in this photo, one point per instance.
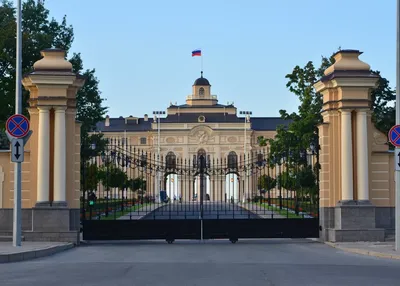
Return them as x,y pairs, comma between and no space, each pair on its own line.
32,254
365,252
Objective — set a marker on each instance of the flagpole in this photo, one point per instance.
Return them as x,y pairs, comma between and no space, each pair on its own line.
201,62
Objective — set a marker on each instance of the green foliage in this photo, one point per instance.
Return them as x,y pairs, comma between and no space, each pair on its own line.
266,182
287,180
40,32
136,184
383,98
90,177
93,146
112,177
306,177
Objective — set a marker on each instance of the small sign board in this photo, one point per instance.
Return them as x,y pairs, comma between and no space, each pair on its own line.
17,150
17,126
394,135
397,159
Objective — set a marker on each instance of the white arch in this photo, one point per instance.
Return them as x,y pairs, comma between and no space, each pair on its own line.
197,186
172,187
232,187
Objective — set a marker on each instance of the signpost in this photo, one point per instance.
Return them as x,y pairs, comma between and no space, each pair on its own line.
397,175
18,133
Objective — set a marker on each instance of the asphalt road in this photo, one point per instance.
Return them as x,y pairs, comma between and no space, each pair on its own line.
211,210
219,263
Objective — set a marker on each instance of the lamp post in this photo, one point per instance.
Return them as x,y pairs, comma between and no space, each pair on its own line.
246,120
157,119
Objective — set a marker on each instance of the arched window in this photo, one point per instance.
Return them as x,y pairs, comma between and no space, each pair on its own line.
201,91
171,160
232,160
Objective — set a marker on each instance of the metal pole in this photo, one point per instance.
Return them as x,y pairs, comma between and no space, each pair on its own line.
398,122
158,158
245,159
18,110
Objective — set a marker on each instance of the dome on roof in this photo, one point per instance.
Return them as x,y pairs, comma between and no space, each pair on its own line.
201,81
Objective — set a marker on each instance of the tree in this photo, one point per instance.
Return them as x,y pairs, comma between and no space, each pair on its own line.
112,177
90,177
40,32
384,111
266,183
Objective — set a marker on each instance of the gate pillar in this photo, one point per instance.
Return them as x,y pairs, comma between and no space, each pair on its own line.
346,213
55,148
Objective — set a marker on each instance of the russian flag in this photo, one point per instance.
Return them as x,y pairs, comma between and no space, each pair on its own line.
196,53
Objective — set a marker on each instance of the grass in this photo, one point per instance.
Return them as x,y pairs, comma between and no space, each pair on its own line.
277,211
119,213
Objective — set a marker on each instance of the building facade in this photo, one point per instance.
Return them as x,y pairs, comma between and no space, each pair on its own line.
201,126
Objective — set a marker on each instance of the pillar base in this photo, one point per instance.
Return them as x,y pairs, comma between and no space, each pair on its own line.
59,204
355,235
42,204
54,224
350,221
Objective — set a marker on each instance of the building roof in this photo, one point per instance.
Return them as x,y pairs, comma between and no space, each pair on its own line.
257,123
201,81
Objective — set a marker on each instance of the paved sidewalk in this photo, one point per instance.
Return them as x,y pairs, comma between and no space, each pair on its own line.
376,249
30,250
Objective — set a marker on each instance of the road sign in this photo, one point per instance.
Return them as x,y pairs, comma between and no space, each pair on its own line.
17,150
397,159
17,126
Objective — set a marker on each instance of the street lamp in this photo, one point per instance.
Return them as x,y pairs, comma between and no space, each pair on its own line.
157,119
246,120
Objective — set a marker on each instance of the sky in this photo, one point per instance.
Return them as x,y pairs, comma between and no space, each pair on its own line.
141,50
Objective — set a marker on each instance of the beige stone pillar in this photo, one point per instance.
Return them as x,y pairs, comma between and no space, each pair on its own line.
346,156
346,90
43,162
59,156
362,156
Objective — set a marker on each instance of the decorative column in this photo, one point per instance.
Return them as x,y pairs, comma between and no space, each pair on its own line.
362,157
59,157
43,161
346,157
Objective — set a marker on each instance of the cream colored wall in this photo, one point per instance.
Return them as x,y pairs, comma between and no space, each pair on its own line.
7,189
382,188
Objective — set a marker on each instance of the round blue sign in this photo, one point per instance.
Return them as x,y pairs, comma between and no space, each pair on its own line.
17,126
394,135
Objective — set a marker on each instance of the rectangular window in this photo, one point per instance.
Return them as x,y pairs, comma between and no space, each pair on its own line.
143,141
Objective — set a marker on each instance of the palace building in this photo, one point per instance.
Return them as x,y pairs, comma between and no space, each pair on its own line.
201,126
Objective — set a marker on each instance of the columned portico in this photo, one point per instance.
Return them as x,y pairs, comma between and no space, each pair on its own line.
43,165
362,156
59,156
346,156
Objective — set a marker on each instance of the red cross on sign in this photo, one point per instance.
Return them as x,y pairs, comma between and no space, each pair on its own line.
17,126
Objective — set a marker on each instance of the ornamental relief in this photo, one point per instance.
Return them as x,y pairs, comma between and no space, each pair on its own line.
202,137
379,138
170,140
232,139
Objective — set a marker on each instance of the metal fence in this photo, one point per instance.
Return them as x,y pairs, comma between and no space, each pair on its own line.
123,184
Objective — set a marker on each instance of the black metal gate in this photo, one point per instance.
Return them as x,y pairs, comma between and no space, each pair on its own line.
131,194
